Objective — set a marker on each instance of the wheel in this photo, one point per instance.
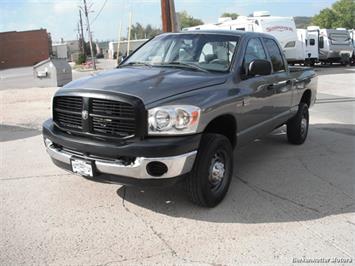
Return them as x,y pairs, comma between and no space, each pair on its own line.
210,178
297,127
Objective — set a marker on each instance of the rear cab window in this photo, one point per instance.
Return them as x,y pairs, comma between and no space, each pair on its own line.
275,54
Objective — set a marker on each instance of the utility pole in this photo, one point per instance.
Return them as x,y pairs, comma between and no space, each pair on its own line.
168,16
90,35
129,32
175,27
119,43
165,15
81,40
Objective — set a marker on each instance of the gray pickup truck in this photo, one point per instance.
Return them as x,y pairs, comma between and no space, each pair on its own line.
176,108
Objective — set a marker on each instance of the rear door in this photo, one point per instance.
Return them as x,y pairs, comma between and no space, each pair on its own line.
280,84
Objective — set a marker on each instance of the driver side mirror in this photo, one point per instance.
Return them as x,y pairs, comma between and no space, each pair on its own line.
259,67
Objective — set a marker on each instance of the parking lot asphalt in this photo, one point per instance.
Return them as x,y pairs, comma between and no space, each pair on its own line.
286,203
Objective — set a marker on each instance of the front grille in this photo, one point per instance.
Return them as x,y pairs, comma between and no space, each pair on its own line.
112,108
104,117
112,118
67,112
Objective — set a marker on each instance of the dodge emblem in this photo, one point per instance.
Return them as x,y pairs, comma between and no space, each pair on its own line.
85,114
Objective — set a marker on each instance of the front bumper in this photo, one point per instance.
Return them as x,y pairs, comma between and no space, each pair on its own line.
176,153
176,165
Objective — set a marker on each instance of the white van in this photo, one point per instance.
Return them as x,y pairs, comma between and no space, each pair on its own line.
282,28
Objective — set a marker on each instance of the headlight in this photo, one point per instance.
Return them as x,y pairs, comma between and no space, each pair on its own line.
290,44
173,120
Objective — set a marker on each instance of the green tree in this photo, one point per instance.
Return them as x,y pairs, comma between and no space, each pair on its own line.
87,48
140,32
340,15
187,20
230,15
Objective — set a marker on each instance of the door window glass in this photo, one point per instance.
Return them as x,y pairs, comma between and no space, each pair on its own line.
254,51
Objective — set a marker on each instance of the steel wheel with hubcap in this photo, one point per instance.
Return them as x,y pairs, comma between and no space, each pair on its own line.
210,178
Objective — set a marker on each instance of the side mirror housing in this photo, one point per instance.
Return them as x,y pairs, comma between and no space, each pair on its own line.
259,67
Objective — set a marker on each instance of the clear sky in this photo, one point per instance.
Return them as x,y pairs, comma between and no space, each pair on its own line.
60,17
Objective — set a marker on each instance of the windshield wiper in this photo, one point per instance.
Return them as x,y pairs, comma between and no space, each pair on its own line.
185,65
136,64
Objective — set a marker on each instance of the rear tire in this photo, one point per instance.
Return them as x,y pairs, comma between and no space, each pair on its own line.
212,173
297,127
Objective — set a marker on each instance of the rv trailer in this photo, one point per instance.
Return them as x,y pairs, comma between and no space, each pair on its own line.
352,37
309,42
282,28
335,46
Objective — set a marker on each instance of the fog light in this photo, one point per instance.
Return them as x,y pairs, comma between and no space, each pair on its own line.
48,142
156,168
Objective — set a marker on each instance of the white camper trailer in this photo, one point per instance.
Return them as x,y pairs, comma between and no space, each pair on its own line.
309,41
335,46
282,28
352,36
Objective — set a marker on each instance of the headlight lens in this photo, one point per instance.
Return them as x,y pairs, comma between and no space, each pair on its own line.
162,119
173,120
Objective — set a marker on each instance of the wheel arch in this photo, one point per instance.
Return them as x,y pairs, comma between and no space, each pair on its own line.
225,125
306,97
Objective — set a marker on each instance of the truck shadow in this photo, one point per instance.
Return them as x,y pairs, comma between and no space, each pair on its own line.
273,182
9,133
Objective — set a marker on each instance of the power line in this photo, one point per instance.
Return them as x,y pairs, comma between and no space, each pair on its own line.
98,14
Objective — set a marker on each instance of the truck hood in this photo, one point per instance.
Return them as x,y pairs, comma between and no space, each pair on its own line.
150,84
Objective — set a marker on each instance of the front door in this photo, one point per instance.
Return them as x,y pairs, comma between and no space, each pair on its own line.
257,108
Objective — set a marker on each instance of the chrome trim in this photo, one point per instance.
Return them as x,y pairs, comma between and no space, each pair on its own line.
177,165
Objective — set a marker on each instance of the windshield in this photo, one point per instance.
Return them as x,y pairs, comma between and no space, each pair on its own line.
208,52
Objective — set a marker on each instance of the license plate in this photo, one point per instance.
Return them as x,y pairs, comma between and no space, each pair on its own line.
81,167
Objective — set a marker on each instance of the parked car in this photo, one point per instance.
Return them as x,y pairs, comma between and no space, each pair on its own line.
175,109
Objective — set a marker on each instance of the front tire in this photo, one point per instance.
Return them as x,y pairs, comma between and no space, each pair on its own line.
297,127
210,178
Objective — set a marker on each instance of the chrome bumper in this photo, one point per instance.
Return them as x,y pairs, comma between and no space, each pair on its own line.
177,165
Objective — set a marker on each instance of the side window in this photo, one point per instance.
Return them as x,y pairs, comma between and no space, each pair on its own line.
275,55
321,42
312,42
254,51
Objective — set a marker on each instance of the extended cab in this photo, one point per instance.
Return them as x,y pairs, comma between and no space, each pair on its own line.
176,108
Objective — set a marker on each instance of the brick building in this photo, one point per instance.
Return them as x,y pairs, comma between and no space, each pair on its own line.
24,48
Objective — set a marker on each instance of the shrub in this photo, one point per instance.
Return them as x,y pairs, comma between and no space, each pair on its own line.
81,59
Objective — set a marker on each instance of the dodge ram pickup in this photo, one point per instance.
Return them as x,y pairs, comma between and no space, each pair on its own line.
176,108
